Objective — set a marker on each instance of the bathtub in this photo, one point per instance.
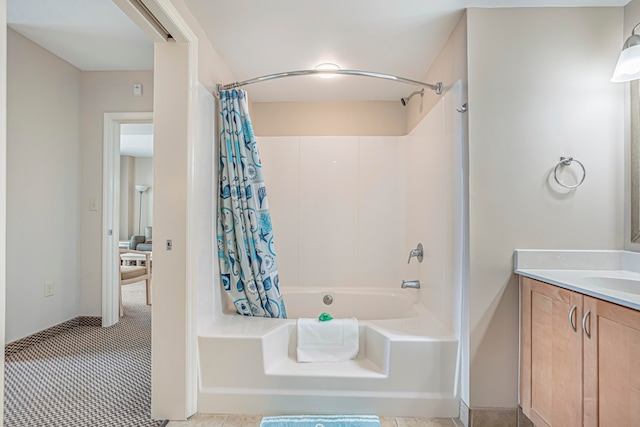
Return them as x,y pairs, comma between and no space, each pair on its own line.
407,364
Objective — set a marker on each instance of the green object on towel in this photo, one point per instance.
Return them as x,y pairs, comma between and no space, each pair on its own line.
325,317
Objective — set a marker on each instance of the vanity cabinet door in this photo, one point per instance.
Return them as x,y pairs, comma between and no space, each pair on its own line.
611,364
551,355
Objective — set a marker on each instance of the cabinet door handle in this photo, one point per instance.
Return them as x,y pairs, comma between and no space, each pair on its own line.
584,323
571,312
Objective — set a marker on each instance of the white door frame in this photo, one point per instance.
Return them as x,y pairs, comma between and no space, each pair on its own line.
111,211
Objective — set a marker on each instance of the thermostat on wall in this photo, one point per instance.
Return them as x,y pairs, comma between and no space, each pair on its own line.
137,89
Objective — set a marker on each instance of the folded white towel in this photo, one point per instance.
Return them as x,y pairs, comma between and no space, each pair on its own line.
331,341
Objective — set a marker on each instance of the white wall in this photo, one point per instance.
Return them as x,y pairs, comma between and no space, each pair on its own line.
205,177
43,101
101,92
538,89
432,173
336,210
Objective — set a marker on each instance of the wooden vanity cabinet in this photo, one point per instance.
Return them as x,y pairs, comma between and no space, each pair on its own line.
550,355
579,359
611,364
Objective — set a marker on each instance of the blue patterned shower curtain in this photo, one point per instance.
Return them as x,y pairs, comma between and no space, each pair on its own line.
245,236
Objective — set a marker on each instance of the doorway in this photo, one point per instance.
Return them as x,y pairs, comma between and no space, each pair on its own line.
114,123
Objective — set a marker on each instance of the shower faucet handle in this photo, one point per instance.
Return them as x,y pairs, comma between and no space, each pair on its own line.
418,252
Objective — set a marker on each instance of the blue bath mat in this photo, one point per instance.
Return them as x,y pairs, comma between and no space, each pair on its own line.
321,421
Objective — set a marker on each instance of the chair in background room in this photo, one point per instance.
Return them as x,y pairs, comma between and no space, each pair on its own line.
135,273
142,243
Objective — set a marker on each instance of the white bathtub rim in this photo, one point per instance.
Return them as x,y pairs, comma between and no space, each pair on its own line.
409,295
237,326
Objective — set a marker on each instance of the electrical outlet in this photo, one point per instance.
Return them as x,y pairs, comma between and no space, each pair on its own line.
49,289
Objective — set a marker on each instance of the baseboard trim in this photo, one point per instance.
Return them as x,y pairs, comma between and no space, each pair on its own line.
523,420
89,321
493,417
22,343
464,414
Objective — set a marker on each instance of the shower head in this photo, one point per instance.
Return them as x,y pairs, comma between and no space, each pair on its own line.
406,99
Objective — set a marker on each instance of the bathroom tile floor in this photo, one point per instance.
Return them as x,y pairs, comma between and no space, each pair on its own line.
215,420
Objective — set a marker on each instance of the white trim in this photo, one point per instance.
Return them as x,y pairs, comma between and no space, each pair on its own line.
173,21
167,14
111,209
141,20
192,232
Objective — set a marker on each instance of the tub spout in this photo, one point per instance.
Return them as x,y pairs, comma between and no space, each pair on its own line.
414,284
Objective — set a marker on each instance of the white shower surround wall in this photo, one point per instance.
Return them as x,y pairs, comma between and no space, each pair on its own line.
346,211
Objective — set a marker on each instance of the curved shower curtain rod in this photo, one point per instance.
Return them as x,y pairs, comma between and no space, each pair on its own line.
435,87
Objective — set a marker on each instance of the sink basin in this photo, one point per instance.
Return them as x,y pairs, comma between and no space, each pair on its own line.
616,284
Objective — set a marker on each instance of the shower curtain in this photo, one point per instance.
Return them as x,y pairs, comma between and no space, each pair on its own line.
245,236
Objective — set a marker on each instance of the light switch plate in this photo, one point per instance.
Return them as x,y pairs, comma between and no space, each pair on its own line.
49,288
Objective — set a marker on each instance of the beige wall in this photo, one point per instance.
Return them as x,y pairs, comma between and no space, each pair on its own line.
538,89
61,159
101,92
143,175
43,101
381,118
3,185
134,171
631,18
126,198
449,66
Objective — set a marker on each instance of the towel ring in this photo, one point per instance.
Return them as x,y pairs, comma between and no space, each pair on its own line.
566,161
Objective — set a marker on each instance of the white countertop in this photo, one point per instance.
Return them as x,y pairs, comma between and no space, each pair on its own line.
612,276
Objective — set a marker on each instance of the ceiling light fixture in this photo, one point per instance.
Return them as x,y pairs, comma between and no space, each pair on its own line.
328,67
628,66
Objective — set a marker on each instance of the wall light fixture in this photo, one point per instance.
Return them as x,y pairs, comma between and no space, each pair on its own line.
628,67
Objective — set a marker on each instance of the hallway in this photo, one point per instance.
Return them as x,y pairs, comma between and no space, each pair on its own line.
87,375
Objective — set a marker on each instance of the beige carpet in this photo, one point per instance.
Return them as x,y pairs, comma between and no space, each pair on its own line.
86,376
